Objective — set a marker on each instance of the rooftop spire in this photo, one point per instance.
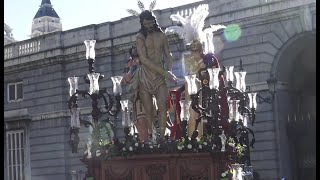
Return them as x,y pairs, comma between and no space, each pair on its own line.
46,9
45,2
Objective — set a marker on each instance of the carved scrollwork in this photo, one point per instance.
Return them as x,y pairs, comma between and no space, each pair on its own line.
197,171
156,171
118,173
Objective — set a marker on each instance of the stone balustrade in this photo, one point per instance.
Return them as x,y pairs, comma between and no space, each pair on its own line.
21,48
29,47
186,11
117,32
7,52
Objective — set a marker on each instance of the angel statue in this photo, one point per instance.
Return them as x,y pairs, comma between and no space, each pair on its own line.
223,141
201,56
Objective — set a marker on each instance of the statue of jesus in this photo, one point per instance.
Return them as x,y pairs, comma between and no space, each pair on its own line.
153,49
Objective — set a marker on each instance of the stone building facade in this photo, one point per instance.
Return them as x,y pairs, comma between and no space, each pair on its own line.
277,39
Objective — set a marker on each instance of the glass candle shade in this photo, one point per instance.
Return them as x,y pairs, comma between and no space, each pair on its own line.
73,82
185,113
237,171
125,113
214,78
229,73
90,53
117,90
245,120
94,82
252,100
241,83
192,86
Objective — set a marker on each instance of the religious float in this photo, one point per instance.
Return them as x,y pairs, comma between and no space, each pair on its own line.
207,134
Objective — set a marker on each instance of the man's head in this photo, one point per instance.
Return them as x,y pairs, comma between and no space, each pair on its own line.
196,47
148,23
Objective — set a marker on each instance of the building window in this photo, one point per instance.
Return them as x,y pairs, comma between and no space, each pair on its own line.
15,91
16,154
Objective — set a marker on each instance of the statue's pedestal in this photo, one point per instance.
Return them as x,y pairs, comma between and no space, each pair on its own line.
200,166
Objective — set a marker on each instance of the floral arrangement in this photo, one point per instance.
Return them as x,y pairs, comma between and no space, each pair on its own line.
133,146
226,175
234,144
104,145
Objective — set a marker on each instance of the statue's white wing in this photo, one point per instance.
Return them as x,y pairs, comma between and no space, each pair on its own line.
192,26
176,29
198,17
216,27
178,18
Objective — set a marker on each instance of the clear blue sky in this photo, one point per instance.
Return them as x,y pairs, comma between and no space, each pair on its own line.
18,14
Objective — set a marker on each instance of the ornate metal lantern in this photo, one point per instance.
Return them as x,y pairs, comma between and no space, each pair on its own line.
95,93
241,106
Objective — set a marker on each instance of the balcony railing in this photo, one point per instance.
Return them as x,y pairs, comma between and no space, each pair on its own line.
187,10
40,43
29,47
21,48
7,52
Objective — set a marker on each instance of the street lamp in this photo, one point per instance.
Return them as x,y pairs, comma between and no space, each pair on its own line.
272,82
96,94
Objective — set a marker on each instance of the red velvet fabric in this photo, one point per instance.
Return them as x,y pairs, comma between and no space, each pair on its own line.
175,130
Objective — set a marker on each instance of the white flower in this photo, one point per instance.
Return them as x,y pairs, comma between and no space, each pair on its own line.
213,146
98,153
107,151
223,174
200,146
123,149
151,147
182,146
205,143
136,144
231,145
179,148
189,146
130,148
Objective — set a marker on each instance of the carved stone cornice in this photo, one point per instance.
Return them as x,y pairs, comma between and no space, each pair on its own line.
16,119
37,60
